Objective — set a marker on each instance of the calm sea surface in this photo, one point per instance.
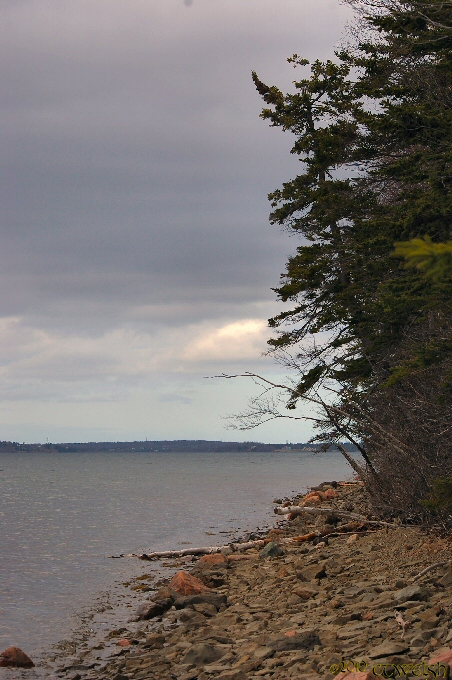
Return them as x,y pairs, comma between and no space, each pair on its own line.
62,515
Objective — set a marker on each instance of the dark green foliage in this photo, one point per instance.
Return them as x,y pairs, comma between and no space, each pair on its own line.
440,497
369,336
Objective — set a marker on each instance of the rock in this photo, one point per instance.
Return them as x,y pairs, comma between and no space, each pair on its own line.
329,494
209,598
446,580
241,558
163,594
215,559
311,498
314,571
278,501
184,583
410,593
442,657
233,675
124,643
306,592
352,539
389,648
263,653
154,641
272,549
14,657
149,610
205,608
202,653
355,675
190,616
353,591
306,640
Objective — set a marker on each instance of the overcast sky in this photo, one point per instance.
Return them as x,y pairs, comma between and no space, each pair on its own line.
136,252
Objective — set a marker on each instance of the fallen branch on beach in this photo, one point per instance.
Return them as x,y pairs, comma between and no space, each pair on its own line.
210,550
295,510
430,568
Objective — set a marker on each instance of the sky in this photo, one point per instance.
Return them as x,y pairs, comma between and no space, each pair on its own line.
136,254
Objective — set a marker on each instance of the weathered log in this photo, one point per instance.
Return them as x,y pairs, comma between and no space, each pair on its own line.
300,510
210,550
295,510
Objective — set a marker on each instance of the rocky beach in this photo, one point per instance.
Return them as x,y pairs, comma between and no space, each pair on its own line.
319,596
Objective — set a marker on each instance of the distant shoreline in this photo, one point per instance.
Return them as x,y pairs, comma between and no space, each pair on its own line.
165,446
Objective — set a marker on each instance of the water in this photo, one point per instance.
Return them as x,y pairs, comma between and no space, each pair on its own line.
63,515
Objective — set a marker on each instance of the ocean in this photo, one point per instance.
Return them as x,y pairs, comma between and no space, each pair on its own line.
64,515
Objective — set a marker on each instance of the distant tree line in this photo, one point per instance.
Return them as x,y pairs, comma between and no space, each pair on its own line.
182,445
368,336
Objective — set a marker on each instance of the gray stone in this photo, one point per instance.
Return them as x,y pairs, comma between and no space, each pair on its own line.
389,648
272,549
210,598
236,674
446,580
148,610
205,608
262,653
202,654
306,641
410,593
353,591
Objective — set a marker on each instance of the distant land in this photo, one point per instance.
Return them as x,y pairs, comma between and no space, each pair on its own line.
178,445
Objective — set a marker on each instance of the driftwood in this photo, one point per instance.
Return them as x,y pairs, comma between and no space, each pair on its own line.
210,550
300,510
430,568
295,510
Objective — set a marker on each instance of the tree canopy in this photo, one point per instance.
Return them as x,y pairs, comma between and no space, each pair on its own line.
368,337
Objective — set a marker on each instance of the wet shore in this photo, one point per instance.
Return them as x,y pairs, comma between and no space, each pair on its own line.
321,597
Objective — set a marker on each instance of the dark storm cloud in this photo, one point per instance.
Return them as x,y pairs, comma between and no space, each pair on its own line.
137,167
136,251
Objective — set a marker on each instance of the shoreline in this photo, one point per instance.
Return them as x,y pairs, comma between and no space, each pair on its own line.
301,613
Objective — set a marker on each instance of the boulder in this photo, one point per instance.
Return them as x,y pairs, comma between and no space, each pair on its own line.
216,559
306,592
272,549
14,657
202,653
444,657
306,641
184,583
209,598
149,610
190,616
413,593
205,608
154,641
313,498
314,571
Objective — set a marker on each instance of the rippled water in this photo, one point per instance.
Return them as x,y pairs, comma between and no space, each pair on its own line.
62,515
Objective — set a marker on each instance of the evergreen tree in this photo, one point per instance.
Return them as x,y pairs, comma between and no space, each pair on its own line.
371,340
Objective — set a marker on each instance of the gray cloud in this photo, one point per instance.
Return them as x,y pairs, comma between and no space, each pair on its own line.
135,165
